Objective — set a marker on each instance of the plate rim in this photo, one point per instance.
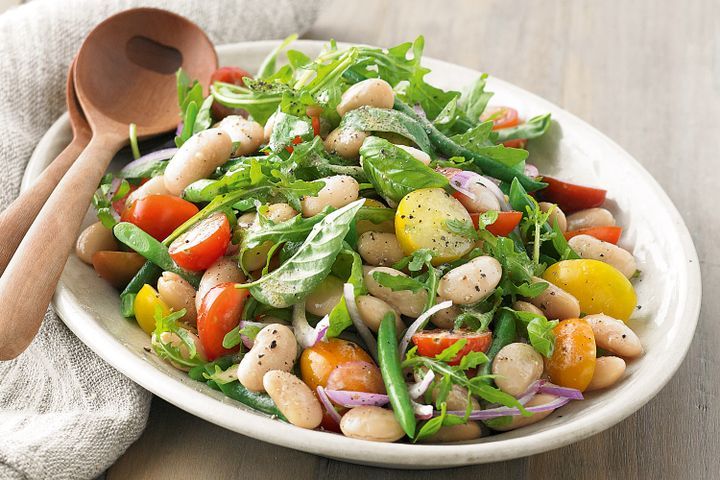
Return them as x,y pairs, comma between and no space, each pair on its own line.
394,455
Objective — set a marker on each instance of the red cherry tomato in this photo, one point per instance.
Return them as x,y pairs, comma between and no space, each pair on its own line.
609,234
233,75
159,215
220,312
502,117
516,143
119,204
316,125
571,197
432,342
204,243
505,223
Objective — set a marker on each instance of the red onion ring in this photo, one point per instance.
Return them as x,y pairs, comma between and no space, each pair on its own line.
417,390
247,341
350,399
461,182
423,412
505,411
531,170
565,392
306,335
329,408
420,323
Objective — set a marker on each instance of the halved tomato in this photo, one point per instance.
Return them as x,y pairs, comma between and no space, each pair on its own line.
609,234
159,215
505,223
516,143
203,244
220,312
433,342
571,197
233,75
502,117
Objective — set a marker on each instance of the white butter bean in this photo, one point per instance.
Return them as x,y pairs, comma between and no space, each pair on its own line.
588,246
522,306
456,433
614,336
198,157
555,302
517,366
371,423
380,249
457,398
178,294
608,370
592,217
225,269
345,142
338,191
93,239
406,302
556,214
373,92
471,282
445,318
248,134
417,153
154,186
293,398
372,310
275,348
484,199
323,299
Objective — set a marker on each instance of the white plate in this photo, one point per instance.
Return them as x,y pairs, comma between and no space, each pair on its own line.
669,293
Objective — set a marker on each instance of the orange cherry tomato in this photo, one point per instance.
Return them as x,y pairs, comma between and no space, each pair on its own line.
356,376
319,361
609,234
220,312
199,247
502,117
159,215
516,143
432,342
505,223
571,197
572,363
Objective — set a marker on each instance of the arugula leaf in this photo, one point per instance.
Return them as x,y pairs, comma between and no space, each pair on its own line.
474,100
533,128
398,282
171,350
451,352
268,65
304,271
432,426
286,129
371,119
479,140
463,228
190,98
309,160
561,245
394,172
541,336
376,215
476,137
261,102
472,360
294,230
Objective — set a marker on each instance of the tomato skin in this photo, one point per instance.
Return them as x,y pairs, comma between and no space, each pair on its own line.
516,143
159,215
203,244
572,363
356,377
610,234
233,75
119,204
319,361
598,286
220,312
146,303
570,197
505,223
502,117
432,342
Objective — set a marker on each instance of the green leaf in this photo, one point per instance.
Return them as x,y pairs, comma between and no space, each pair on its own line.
475,138
474,100
268,66
286,128
304,271
451,352
533,128
376,215
472,360
394,172
294,230
169,351
462,227
398,282
203,120
371,119
339,318
541,336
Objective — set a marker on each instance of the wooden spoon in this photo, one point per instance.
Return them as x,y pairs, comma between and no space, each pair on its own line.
124,72
16,219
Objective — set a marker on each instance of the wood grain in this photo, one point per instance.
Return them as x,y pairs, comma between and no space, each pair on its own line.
647,73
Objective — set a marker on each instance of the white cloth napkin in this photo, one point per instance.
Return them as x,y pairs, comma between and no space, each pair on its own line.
64,412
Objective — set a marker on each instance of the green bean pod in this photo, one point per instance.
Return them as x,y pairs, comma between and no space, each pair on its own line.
389,361
148,273
504,334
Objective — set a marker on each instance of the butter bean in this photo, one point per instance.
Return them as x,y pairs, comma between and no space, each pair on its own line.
380,249
608,370
614,336
406,302
293,398
517,366
371,423
555,302
338,191
592,217
588,246
275,348
198,157
373,92
93,239
471,282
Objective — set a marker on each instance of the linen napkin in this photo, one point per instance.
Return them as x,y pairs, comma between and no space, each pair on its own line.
64,412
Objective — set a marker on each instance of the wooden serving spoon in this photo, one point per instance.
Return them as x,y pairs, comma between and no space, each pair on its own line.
16,219
124,72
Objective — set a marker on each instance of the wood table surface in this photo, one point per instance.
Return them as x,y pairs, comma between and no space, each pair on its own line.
646,73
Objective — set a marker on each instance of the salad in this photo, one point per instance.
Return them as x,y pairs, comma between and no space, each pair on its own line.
341,245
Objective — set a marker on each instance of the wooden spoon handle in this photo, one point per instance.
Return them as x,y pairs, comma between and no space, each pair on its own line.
16,219
30,278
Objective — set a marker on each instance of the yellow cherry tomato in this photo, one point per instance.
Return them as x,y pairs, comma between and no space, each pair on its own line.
146,303
599,287
572,363
421,222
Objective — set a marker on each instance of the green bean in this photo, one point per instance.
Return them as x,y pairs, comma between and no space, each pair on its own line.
452,149
389,360
503,334
257,401
148,273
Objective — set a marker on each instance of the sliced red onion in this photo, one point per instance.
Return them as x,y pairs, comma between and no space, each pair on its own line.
351,399
565,392
247,341
306,335
505,411
533,389
322,395
179,129
114,186
531,170
147,159
417,390
362,329
423,412
461,182
420,324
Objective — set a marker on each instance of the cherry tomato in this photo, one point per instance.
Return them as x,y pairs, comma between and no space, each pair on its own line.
570,197
319,361
117,268
315,124
233,75
572,363
432,342
516,143
220,312
199,247
502,117
505,223
147,303
598,286
119,204
609,234
356,376
159,215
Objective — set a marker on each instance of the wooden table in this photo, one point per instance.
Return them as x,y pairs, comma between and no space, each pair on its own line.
647,73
